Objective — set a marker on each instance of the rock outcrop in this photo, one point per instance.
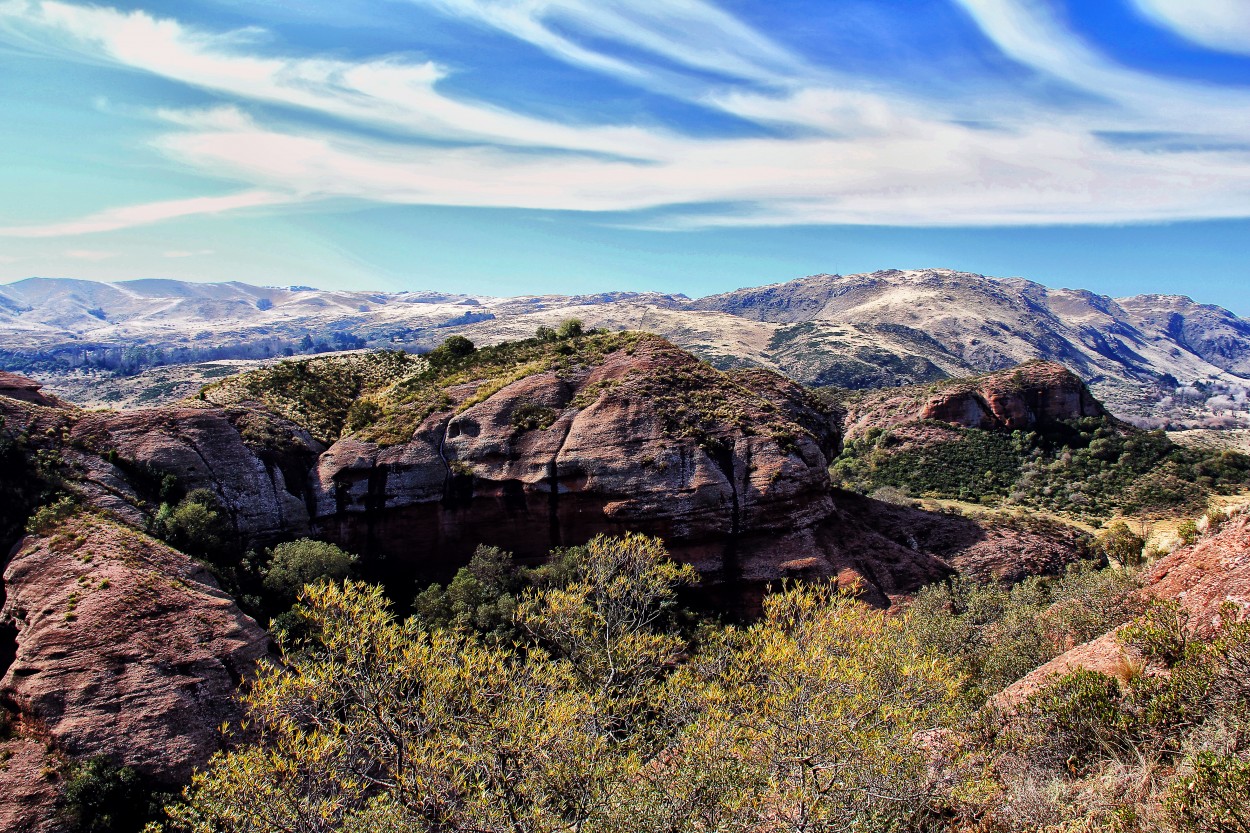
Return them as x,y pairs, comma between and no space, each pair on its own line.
124,648
1032,396
1210,577
22,388
254,462
647,439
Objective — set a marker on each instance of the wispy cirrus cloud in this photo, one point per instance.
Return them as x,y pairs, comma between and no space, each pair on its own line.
662,29
1216,24
828,149
146,213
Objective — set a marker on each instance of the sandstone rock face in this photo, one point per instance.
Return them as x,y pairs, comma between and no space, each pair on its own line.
125,648
1034,395
16,386
1209,575
255,463
28,788
731,479
1209,579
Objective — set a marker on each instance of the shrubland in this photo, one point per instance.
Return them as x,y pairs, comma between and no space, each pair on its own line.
580,696
1090,467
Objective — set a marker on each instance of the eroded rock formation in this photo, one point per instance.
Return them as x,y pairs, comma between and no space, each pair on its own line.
124,648
254,462
649,440
1032,396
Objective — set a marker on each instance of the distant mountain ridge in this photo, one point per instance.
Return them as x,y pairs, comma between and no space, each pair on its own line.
870,330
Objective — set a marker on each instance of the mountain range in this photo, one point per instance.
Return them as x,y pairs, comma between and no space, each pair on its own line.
1153,359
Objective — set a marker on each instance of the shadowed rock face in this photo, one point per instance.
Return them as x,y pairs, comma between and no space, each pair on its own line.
647,440
256,463
125,648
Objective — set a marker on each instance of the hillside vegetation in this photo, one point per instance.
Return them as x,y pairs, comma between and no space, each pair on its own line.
599,707
1091,467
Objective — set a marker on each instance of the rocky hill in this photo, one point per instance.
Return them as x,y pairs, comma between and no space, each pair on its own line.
1141,355
115,643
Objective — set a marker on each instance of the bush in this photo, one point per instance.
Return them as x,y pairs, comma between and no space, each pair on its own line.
194,526
298,563
450,352
1212,796
362,414
570,328
100,797
47,517
1121,544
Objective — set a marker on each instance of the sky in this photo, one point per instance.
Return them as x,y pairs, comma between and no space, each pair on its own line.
530,146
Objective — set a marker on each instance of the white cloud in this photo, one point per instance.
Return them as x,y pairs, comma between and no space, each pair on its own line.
1030,32
154,212
386,92
1216,24
841,154
664,28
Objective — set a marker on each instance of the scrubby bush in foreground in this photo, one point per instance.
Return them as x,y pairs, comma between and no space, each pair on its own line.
602,719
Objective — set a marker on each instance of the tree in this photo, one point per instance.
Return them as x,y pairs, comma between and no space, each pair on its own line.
570,328
605,622
306,561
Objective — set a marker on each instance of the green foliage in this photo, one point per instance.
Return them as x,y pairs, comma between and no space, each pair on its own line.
410,400
968,464
599,717
1161,745
450,352
294,564
196,525
999,634
100,797
362,414
45,518
531,417
1211,797
317,393
1090,467
1121,544
482,596
31,478
570,328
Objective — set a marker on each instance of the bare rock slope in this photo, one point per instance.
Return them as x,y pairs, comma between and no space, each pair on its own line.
124,648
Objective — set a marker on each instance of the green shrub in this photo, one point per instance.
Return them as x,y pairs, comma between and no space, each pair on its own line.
306,561
1121,544
1076,720
100,797
1211,797
196,525
362,414
570,328
47,517
1091,467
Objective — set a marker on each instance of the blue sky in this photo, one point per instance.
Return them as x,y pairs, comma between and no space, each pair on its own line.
518,146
